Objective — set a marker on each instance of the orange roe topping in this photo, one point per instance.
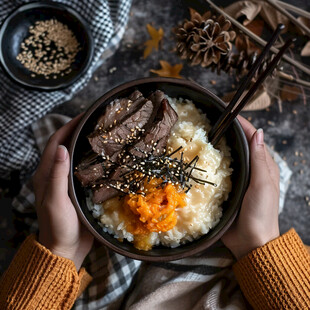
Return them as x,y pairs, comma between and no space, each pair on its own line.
154,212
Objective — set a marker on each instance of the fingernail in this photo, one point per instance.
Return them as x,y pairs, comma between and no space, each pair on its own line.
61,153
260,136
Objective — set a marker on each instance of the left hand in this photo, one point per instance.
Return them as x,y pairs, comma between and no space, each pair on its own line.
59,227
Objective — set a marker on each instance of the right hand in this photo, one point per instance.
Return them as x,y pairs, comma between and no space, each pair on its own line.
258,221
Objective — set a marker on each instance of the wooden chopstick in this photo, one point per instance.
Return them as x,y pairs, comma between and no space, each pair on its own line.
231,115
246,82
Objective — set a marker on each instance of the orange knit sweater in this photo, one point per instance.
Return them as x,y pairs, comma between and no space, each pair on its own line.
37,279
275,276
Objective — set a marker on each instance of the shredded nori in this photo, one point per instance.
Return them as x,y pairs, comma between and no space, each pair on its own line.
165,167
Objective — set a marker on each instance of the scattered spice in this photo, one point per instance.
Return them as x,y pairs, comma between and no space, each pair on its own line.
113,69
49,50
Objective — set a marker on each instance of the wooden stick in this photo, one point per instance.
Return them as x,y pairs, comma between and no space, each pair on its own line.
294,9
289,16
233,114
289,77
259,40
245,83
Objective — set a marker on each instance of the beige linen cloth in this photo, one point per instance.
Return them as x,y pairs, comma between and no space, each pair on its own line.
204,281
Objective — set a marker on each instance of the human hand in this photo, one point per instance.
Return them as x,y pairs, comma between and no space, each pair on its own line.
59,227
258,221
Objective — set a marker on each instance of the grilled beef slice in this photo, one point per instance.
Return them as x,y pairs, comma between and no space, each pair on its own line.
159,133
90,174
156,97
110,143
120,109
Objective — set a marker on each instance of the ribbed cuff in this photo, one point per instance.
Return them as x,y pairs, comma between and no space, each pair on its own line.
277,275
38,279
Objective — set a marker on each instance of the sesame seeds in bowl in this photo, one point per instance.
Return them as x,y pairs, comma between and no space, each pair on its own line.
46,46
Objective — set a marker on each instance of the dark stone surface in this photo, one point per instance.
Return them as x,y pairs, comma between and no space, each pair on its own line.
286,132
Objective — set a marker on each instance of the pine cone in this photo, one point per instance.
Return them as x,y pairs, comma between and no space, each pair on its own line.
204,39
240,64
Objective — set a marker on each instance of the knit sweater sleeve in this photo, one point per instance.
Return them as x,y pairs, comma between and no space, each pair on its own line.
38,279
276,275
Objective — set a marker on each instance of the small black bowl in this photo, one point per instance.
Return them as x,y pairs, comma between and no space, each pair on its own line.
15,29
209,104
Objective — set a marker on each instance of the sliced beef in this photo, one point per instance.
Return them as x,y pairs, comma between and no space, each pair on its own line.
135,95
90,174
155,139
156,97
112,142
120,109
106,192
158,133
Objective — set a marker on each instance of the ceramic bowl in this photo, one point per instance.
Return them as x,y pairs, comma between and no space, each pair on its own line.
15,29
213,107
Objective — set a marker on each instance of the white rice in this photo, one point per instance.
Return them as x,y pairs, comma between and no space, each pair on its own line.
203,202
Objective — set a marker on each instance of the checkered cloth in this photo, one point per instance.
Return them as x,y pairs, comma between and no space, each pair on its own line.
204,281
20,107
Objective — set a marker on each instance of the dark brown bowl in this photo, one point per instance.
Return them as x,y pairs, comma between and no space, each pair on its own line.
15,29
208,103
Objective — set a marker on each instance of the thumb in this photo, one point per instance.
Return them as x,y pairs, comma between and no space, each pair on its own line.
58,179
258,157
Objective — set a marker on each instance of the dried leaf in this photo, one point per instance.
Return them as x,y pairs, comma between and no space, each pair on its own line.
305,21
289,93
260,101
156,37
250,9
306,50
256,26
273,17
243,43
168,71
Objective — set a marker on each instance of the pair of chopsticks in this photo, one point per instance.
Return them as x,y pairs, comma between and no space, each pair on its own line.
234,108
